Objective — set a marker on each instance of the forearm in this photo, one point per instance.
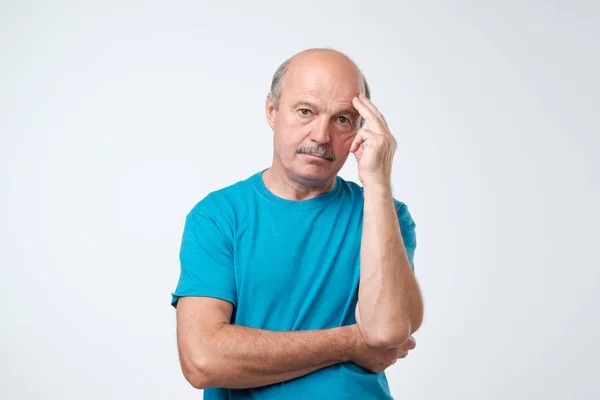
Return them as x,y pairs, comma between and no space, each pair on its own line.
390,305
241,357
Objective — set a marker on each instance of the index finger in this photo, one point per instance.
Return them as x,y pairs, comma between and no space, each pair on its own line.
366,112
372,107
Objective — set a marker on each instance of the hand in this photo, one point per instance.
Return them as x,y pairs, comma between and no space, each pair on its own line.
373,147
377,360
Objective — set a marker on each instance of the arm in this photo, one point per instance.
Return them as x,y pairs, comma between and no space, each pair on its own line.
214,353
390,307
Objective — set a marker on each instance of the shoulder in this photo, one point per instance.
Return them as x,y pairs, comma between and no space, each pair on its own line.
220,205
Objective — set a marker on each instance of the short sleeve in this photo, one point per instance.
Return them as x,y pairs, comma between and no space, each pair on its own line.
206,259
407,228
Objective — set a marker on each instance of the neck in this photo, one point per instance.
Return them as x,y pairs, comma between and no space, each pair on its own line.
282,185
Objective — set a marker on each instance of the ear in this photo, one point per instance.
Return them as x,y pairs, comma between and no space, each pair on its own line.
270,111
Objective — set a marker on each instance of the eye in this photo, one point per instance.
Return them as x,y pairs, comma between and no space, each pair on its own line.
344,120
304,111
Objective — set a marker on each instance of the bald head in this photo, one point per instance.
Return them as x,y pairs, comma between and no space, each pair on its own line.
311,111
332,61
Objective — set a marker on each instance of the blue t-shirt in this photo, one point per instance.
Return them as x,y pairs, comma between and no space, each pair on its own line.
285,265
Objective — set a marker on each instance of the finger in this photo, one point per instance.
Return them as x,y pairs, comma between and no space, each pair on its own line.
365,112
358,153
367,102
361,137
364,137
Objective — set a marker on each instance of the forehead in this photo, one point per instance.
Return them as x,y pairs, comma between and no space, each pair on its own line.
322,82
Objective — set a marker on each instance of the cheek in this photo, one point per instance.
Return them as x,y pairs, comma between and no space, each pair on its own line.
289,120
345,141
288,137
293,132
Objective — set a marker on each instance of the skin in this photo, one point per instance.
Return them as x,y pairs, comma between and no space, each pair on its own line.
319,111
315,110
390,305
320,106
214,353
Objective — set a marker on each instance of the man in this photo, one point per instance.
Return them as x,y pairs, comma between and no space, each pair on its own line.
268,301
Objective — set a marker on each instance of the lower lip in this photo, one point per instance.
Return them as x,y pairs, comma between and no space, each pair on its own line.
315,156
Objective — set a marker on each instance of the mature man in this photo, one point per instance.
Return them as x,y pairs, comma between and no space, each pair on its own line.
295,283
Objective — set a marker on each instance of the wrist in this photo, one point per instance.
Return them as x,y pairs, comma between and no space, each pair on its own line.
378,187
350,342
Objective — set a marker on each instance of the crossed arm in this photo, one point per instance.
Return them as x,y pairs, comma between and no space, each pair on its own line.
215,353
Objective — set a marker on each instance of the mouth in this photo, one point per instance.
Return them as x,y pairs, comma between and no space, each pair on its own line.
317,156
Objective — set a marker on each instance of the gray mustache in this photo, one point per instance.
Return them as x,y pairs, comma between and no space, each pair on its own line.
321,151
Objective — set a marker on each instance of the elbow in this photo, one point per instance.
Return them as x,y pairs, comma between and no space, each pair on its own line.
198,381
390,336
196,372
382,338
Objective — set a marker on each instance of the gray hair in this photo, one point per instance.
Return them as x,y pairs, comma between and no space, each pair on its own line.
277,84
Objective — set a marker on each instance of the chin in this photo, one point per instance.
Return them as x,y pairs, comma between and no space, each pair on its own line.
315,173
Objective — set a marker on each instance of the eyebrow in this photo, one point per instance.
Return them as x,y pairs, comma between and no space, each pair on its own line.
347,111
304,103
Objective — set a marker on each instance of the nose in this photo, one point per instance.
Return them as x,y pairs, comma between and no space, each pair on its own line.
320,132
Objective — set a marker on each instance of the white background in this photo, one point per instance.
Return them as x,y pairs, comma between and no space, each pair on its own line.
116,118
